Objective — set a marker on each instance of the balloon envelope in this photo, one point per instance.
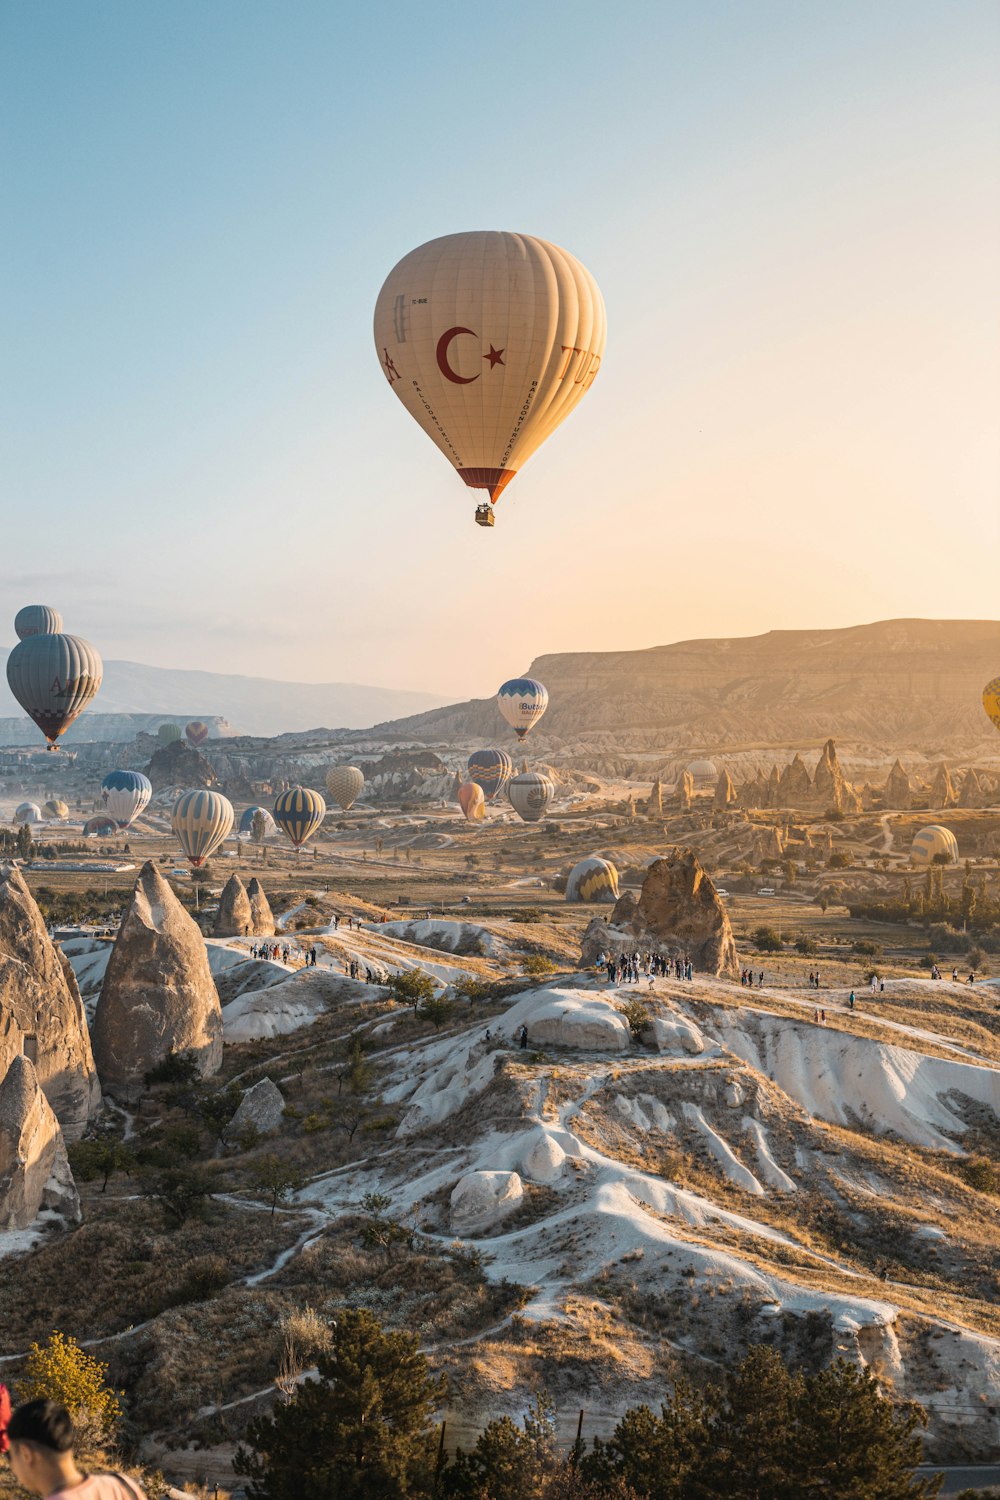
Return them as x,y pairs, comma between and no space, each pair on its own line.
931,841
490,769
99,827
56,808
28,812
344,784
126,794
530,794
246,822
593,879
201,821
522,701
298,813
168,734
991,700
197,732
472,801
37,619
54,677
489,340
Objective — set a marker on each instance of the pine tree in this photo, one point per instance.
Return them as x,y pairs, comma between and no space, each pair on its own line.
362,1431
508,1462
752,1454
853,1444
656,1455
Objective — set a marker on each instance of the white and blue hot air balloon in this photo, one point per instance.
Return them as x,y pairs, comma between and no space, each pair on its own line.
522,701
126,794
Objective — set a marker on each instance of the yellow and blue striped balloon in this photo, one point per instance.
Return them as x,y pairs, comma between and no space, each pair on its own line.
931,841
298,813
202,821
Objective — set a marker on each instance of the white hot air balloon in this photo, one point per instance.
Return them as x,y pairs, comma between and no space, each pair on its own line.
490,340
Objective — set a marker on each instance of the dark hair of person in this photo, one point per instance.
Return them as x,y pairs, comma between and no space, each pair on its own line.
46,1423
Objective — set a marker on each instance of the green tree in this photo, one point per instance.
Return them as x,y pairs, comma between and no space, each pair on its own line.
91,1160
853,1443
361,1431
655,1455
276,1179
437,1010
636,1014
23,843
182,1193
508,1462
766,940
412,987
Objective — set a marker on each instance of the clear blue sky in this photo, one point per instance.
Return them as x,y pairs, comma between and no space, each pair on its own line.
792,209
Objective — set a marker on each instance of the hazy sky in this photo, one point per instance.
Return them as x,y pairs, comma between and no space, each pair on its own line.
793,211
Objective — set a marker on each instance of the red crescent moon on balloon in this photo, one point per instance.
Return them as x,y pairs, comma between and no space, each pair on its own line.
443,344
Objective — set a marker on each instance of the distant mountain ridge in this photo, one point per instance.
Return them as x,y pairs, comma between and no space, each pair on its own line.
253,705
889,686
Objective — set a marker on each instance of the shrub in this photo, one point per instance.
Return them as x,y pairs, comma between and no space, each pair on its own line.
59,1370
636,1015
807,946
176,1067
866,947
537,965
411,987
982,1174
839,860
766,940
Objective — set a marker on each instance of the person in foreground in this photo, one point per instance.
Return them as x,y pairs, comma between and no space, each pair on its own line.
39,1444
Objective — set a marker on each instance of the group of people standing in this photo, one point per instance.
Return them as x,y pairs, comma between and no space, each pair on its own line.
628,968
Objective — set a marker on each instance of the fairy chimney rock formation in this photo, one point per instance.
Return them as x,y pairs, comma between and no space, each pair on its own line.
41,1013
972,794
234,917
897,792
679,911
942,790
685,790
34,1170
830,787
725,792
794,786
261,915
158,994
654,807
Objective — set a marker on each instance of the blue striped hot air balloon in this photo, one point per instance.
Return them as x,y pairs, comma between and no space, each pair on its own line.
99,827
491,770
126,794
932,841
298,813
202,820
522,701
246,821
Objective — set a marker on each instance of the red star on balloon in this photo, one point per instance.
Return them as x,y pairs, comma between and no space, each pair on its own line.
494,356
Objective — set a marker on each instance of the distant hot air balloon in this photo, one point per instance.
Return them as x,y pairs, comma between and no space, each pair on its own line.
99,827
472,801
202,820
27,812
54,677
56,808
991,700
126,794
522,701
932,841
490,340
197,732
298,813
490,769
37,619
344,784
530,794
246,822
593,879
168,734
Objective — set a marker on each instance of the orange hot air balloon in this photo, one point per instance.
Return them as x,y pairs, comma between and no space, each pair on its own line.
472,801
490,340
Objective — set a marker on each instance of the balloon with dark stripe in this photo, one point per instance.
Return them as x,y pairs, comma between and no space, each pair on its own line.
529,795
202,820
298,813
54,677
126,794
491,770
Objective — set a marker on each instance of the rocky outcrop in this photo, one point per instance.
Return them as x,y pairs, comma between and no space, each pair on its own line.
973,793
178,764
261,915
679,912
482,1199
158,995
41,1013
654,807
685,790
261,1109
725,793
795,788
767,844
830,787
234,917
942,789
897,792
34,1170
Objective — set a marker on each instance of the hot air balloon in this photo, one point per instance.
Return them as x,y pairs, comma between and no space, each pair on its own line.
202,820
490,769
57,809
932,841
472,801
197,732
54,677
37,619
530,794
490,340
99,827
168,734
126,794
991,700
298,813
246,822
344,784
593,879
27,812
522,701
703,772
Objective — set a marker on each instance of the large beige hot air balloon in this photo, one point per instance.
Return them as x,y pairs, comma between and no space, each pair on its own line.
344,783
490,340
